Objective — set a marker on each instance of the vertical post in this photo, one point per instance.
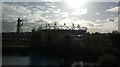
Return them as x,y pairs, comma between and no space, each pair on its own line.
78,27
55,26
73,27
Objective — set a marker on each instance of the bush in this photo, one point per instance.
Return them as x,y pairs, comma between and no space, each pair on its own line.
108,61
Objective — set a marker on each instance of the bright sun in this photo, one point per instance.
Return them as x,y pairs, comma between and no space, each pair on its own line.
76,3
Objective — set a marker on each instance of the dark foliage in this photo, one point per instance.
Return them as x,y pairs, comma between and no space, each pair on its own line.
87,48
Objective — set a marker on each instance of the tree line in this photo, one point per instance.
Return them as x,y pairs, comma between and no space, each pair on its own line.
103,49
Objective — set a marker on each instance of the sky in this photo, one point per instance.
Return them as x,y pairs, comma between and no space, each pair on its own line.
96,16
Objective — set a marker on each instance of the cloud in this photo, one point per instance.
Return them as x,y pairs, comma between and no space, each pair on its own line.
47,11
29,14
98,13
52,6
37,11
35,15
8,26
47,17
11,12
64,14
41,21
82,23
97,20
109,25
112,19
80,11
57,11
0,9
15,9
101,30
114,9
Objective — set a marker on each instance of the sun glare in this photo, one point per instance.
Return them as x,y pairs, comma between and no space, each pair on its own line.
76,3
